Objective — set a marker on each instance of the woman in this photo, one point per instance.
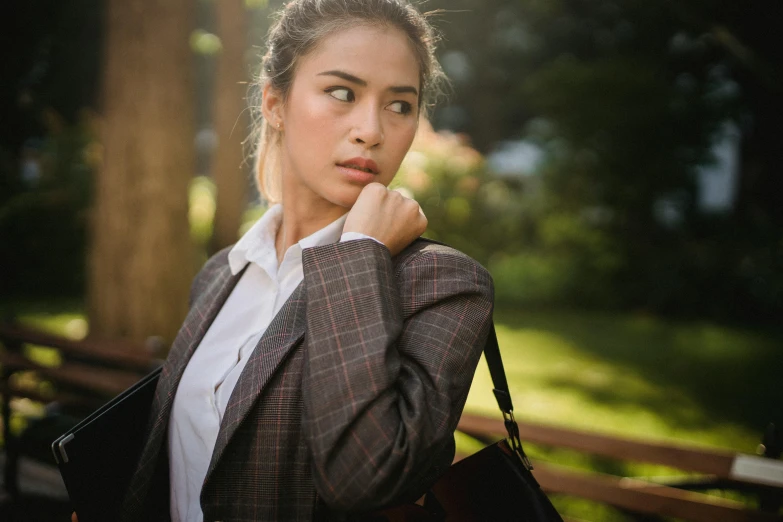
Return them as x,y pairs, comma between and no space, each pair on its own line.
327,356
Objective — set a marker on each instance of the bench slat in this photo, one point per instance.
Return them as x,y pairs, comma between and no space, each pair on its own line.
713,462
759,470
67,400
640,496
121,352
106,382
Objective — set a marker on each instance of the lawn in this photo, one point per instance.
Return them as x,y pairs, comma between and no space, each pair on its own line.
623,374
634,375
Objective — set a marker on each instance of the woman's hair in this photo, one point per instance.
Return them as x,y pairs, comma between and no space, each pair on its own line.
300,27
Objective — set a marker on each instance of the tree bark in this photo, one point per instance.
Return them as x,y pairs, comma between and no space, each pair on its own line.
231,121
142,258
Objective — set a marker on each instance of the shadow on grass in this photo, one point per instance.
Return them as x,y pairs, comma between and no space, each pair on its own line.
702,374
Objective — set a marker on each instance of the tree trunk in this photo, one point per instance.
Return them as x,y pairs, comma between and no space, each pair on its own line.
231,122
142,258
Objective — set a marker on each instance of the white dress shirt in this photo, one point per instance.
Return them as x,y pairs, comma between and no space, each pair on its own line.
215,367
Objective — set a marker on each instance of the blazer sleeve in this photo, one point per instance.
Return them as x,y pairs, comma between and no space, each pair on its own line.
390,358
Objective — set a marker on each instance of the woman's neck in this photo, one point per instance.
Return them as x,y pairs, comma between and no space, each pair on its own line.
301,219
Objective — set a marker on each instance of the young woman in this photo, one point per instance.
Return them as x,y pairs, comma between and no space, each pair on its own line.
327,356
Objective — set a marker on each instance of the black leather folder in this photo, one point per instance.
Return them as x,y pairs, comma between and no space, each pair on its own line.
98,456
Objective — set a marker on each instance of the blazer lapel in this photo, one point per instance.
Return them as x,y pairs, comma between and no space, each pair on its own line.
197,322
286,329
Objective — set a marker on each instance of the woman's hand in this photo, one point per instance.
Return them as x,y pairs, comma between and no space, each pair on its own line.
74,518
387,216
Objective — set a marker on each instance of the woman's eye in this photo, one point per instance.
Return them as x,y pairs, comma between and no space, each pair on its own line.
400,107
341,93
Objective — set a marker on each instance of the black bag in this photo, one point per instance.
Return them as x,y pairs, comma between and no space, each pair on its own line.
492,485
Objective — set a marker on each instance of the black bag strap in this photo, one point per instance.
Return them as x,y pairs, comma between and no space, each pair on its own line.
495,363
500,384
502,395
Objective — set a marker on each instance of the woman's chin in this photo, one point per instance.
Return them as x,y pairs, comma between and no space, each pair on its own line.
347,197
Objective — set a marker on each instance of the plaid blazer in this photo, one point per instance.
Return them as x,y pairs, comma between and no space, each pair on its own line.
351,398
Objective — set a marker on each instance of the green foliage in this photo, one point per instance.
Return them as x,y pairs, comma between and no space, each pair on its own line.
536,255
569,263
533,279
624,97
627,99
205,43
465,205
43,225
201,210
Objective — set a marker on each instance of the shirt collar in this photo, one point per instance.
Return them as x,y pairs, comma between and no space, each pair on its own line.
258,243
329,234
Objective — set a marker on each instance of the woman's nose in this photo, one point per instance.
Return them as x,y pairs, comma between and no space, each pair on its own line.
367,129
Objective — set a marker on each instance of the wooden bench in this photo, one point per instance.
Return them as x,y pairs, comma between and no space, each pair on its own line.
649,498
91,372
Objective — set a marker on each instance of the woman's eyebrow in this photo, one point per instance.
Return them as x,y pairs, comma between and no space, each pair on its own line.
345,76
399,89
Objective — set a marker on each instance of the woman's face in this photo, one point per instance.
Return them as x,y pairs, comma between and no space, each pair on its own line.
350,116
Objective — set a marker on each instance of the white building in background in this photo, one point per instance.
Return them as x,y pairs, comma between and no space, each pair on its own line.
515,158
718,183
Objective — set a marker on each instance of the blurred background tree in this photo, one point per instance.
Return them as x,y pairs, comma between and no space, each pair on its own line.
140,233
231,122
608,155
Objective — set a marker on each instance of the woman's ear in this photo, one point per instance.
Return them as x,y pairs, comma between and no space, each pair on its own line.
272,106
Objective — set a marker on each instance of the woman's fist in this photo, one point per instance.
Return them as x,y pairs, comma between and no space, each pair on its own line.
387,216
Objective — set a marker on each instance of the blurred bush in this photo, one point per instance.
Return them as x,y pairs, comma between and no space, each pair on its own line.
466,206
570,263
536,254
546,247
201,213
44,213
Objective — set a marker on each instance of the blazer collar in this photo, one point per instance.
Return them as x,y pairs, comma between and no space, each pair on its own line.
285,330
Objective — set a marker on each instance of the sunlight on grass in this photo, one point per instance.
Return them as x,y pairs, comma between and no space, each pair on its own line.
630,376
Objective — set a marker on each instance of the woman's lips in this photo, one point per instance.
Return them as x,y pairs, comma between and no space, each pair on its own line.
363,164
359,170
355,175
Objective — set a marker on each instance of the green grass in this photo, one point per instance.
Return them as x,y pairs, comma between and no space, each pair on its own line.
634,375
639,376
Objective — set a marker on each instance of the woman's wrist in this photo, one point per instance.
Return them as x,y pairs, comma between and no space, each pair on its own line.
355,236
